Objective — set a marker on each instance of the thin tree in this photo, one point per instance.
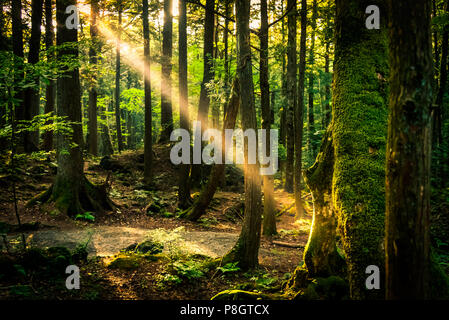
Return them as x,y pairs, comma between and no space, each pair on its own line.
269,214
291,94
92,110
118,123
148,136
299,111
184,199
246,250
311,123
166,84
50,91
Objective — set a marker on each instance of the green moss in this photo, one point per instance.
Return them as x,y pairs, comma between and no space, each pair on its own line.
359,135
239,295
125,262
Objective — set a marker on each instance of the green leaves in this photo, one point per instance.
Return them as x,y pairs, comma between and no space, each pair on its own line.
87,216
229,267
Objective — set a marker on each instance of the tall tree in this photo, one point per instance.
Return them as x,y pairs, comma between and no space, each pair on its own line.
118,122
246,250
50,91
291,94
269,214
299,111
166,85
311,123
93,51
407,239
359,112
208,71
32,98
71,191
184,170
148,136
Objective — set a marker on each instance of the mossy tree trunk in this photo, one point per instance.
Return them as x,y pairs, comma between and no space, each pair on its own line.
246,250
320,255
311,144
118,121
71,191
360,123
148,136
409,151
50,92
200,205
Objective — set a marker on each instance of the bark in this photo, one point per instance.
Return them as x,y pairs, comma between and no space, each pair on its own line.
269,215
184,199
311,123
71,191
105,148
320,255
207,194
148,138
118,123
299,111
246,250
360,123
92,109
166,85
291,95
17,47
409,152
50,91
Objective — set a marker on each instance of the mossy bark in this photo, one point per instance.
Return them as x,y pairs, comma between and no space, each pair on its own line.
359,138
320,255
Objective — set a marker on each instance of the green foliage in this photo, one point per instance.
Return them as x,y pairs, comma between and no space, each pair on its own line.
87,216
188,269
229,267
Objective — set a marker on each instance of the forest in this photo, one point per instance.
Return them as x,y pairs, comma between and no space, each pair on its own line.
224,150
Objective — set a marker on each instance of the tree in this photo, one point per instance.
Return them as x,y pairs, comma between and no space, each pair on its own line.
166,85
148,136
407,240
71,191
311,123
359,111
246,250
299,111
92,111
118,123
269,214
50,92
184,199
291,94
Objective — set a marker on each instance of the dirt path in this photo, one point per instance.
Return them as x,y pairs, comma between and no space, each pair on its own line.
107,241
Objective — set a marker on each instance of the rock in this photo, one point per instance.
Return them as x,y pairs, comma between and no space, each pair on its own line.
108,163
123,262
146,247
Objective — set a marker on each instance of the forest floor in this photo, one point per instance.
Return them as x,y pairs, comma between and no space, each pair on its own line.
180,271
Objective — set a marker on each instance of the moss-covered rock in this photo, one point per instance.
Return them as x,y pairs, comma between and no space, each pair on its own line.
125,262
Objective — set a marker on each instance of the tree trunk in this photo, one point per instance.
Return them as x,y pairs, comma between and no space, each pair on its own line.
246,250
118,122
207,194
106,148
311,123
166,85
71,191
320,255
269,214
92,110
299,111
360,123
291,95
408,159
148,137
50,92
17,47
184,199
